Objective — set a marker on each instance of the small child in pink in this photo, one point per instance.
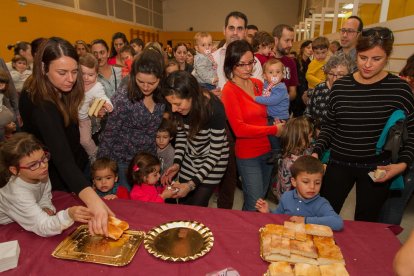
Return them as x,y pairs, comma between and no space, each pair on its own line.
144,171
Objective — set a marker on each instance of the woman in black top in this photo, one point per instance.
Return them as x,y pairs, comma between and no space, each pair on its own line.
359,107
201,147
49,109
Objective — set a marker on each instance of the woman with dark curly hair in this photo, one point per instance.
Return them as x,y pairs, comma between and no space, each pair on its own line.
138,107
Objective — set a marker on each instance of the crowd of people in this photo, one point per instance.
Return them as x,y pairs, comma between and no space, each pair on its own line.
140,122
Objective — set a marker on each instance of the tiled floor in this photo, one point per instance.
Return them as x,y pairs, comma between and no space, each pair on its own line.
346,213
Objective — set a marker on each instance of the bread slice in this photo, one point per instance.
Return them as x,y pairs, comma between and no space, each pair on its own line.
280,269
273,229
98,107
318,230
118,223
293,258
114,232
280,245
317,240
302,269
333,270
92,108
299,229
266,240
288,233
303,248
329,254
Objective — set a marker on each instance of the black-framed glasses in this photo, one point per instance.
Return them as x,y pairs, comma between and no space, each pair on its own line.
250,63
378,33
348,31
36,164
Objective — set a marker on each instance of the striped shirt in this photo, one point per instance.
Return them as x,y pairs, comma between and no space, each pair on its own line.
203,159
357,114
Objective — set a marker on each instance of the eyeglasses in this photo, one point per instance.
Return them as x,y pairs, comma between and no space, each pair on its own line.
378,33
336,76
348,31
36,164
250,63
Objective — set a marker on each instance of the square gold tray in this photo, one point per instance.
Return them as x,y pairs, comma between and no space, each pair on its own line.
81,246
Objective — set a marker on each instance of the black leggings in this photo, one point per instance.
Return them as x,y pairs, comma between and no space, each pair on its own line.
370,196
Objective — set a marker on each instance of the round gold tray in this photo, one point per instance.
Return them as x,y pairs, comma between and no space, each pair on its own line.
179,241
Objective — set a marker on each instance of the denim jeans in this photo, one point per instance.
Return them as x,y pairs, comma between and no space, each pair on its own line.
274,140
393,209
255,174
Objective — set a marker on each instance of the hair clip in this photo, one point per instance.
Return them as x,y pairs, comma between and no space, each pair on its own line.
135,168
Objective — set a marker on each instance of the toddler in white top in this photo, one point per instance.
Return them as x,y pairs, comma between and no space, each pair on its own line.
20,73
25,193
93,90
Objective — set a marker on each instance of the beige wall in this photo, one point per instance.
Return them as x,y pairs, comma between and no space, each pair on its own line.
209,15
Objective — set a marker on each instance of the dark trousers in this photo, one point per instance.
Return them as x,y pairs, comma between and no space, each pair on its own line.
228,184
338,182
199,197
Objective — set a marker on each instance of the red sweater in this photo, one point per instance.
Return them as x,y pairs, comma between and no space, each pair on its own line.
248,120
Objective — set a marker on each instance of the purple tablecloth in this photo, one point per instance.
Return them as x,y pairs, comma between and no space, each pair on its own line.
368,248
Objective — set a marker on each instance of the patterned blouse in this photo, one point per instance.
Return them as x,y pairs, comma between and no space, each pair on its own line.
131,128
318,103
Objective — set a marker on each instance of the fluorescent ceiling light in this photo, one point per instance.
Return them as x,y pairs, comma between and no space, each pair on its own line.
348,6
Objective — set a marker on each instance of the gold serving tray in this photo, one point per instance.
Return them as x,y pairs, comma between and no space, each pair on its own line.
179,241
81,246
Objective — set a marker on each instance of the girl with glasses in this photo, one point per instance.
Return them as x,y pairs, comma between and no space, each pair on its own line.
359,107
25,193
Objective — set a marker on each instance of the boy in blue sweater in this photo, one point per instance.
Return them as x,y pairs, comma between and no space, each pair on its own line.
304,203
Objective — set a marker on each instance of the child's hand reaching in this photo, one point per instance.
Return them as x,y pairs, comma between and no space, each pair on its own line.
110,197
262,206
80,214
297,219
48,211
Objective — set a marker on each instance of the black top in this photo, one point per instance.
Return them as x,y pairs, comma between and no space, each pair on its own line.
357,114
69,159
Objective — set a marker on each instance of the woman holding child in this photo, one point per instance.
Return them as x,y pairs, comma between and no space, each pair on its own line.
138,108
248,121
359,107
49,109
201,148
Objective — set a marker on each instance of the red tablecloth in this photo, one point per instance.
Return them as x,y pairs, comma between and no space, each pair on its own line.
368,248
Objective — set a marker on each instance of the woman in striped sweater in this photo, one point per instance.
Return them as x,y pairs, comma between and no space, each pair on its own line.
359,107
201,147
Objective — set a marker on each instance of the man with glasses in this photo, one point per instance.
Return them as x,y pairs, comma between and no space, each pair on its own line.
349,33
234,29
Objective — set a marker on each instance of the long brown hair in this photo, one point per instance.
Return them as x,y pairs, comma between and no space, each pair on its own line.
12,150
295,136
40,88
185,86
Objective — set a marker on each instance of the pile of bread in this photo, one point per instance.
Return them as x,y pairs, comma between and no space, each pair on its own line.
301,249
116,227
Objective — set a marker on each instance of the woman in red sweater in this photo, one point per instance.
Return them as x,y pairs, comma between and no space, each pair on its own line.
248,121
